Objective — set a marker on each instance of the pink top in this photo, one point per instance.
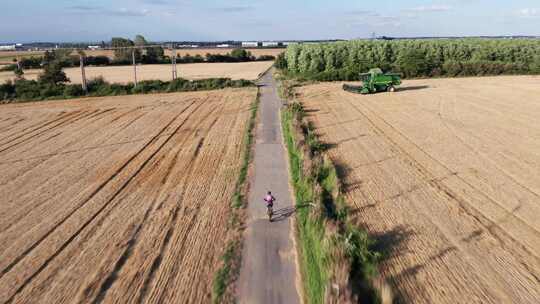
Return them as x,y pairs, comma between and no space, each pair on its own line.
269,198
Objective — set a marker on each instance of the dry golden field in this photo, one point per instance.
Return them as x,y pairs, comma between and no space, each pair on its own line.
8,56
118,199
124,74
445,174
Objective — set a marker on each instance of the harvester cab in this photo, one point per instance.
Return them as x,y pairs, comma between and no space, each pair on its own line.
375,81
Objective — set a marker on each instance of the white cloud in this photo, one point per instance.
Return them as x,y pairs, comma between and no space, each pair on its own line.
121,12
529,12
430,8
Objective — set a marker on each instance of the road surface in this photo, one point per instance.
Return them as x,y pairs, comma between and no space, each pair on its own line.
268,273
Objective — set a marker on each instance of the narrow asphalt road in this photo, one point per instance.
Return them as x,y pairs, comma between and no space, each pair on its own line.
268,273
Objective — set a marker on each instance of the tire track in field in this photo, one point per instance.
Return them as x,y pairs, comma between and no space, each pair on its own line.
519,259
447,189
124,256
480,154
99,188
165,244
11,126
90,119
111,278
49,156
466,207
39,126
96,214
41,132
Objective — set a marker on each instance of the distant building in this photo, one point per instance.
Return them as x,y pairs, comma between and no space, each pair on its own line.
270,44
248,44
94,47
8,47
223,45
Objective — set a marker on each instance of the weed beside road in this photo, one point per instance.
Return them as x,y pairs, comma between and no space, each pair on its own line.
337,259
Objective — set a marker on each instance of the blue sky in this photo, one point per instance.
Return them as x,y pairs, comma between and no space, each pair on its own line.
84,20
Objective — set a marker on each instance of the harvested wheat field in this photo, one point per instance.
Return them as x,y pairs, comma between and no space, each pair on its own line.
445,174
118,199
124,74
8,56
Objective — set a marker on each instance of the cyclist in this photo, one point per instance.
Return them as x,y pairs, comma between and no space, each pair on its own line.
269,199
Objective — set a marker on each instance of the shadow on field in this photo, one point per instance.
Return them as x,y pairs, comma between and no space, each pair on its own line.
412,88
392,242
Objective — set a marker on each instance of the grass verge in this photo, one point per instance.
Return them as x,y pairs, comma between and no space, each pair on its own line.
338,260
223,285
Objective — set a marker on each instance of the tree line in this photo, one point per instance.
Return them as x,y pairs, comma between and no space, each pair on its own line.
413,58
126,49
52,82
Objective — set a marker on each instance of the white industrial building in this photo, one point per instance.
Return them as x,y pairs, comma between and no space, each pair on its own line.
12,47
248,44
270,44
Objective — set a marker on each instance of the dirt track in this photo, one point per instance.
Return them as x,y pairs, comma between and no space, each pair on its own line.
446,175
124,74
118,199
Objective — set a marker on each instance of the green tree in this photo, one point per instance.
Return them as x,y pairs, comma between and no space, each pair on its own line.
154,54
123,50
412,63
281,62
19,73
140,40
53,74
241,55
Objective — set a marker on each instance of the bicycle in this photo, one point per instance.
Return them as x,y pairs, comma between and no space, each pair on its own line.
269,199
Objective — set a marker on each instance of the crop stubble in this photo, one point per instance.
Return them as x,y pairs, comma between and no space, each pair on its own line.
120,199
124,74
445,175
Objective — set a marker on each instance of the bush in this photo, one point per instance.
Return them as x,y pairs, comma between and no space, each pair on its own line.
7,90
177,85
27,89
148,86
73,90
48,90
95,83
97,60
33,90
265,58
281,62
31,63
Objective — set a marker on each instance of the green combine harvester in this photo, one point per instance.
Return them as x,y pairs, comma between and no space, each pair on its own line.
375,81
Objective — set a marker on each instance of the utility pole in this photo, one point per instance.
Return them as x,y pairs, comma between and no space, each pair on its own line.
174,73
134,66
83,74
